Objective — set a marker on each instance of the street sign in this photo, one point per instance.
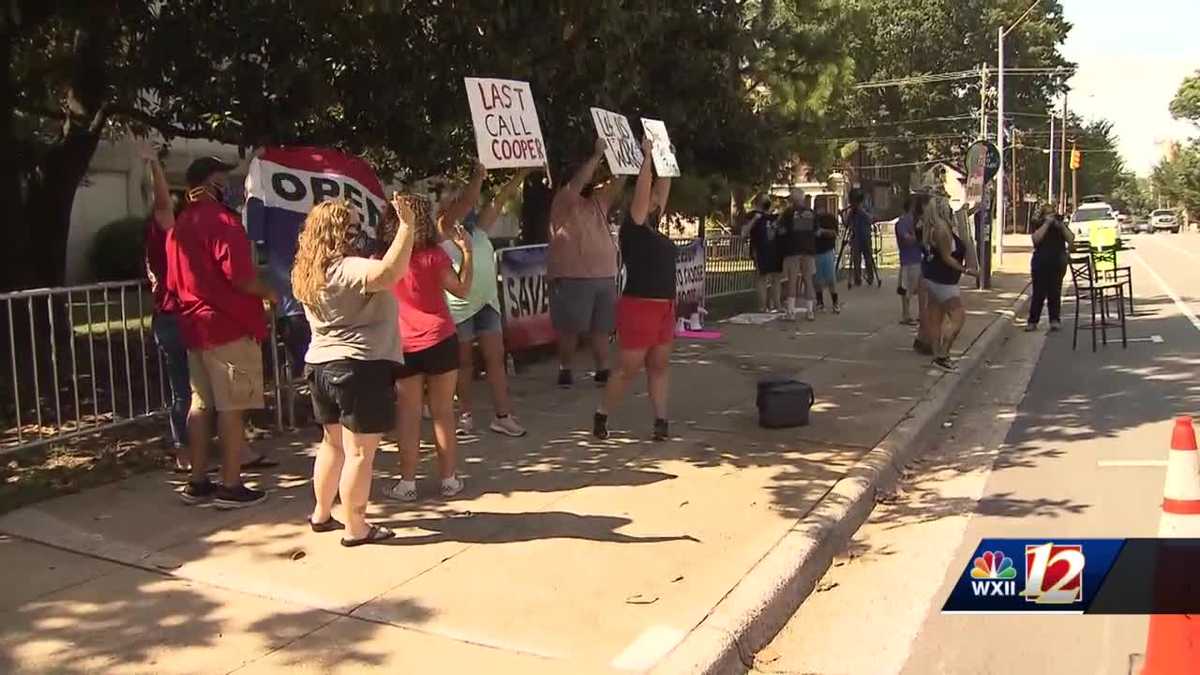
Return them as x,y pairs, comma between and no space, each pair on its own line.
983,161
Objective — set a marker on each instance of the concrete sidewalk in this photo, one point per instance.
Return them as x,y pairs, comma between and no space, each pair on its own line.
565,554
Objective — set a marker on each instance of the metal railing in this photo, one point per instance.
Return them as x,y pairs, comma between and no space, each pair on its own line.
82,360
728,266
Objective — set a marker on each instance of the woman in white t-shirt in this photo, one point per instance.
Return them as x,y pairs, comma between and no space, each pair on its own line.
477,319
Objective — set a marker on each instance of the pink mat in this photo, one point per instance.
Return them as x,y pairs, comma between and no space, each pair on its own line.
699,334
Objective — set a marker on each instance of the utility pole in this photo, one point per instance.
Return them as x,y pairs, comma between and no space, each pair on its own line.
1062,162
1015,196
999,230
1050,172
983,80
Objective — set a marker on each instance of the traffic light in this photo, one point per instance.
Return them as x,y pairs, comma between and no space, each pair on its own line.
1076,159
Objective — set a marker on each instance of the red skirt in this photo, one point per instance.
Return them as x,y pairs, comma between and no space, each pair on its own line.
643,323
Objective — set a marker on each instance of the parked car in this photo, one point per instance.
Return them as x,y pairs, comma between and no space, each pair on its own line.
1142,224
1126,222
1164,219
1092,215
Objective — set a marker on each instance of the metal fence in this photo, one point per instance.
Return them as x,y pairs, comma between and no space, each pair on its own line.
728,266
82,359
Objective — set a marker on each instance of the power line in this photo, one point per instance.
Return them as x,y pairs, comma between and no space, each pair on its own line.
958,75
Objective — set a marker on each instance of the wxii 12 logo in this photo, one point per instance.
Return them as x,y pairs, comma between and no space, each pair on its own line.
1053,574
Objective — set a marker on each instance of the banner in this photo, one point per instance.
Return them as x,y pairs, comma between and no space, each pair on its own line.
689,278
507,132
525,296
623,151
282,186
665,163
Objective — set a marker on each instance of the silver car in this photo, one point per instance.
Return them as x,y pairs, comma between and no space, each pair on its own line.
1164,219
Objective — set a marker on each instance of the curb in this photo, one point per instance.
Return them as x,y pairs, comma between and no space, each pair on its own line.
763,601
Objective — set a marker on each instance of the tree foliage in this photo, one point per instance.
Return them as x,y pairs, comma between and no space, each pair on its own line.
1186,104
1177,176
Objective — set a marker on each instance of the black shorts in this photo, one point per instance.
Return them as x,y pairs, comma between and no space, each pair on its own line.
436,360
359,395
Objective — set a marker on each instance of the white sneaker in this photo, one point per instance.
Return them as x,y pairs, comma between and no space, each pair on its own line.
508,425
466,425
452,486
811,315
404,490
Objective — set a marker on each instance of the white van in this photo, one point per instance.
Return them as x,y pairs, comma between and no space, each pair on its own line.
1092,215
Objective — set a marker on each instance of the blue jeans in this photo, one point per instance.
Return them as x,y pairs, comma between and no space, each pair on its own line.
166,333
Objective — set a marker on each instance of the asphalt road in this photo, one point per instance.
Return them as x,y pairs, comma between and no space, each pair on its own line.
1051,442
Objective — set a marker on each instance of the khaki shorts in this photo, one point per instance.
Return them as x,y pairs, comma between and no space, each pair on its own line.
799,265
227,377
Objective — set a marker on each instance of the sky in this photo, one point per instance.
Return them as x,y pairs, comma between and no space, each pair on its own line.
1132,57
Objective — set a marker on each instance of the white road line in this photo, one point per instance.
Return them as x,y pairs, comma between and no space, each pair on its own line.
1130,463
1187,311
1156,339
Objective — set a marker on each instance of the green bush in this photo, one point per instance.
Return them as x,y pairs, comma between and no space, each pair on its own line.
116,253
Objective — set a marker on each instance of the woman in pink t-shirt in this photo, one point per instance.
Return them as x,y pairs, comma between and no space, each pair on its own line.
430,349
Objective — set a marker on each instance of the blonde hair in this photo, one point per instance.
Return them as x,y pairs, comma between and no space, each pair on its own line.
327,236
937,213
425,230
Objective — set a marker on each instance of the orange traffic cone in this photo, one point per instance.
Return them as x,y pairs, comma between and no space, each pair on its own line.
1173,645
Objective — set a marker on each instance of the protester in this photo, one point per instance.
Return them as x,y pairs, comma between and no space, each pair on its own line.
942,267
582,267
212,276
646,311
826,258
430,348
909,246
352,359
760,229
477,319
1048,267
859,221
797,234
165,324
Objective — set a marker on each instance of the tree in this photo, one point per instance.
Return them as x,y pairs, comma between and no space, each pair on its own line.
1186,104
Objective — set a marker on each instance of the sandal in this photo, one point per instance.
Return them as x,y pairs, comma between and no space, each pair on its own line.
376,534
327,526
260,462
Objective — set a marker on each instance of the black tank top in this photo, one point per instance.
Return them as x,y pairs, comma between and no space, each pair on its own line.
936,270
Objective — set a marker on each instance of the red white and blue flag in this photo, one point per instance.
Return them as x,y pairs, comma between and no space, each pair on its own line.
282,186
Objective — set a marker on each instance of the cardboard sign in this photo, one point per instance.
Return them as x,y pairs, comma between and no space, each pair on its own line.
689,278
507,132
665,163
623,151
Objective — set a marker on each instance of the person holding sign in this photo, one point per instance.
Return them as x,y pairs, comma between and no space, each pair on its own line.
582,266
353,357
646,311
477,317
430,348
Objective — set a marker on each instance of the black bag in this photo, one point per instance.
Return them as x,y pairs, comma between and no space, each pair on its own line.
783,403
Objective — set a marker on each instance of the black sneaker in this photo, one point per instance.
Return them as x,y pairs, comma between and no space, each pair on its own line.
945,364
238,497
601,377
600,426
198,493
565,379
662,430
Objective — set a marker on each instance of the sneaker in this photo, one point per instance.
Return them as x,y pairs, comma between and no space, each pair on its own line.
238,497
600,426
922,348
1055,326
452,486
507,425
565,378
1030,327
662,430
466,425
945,364
404,490
837,308
601,377
810,315
198,493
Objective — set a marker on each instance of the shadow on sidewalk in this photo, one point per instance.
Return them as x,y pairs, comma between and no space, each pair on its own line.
507,528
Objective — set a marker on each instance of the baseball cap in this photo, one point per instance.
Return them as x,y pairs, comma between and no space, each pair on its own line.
200,170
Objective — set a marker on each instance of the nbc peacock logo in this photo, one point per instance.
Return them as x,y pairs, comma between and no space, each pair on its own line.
993,574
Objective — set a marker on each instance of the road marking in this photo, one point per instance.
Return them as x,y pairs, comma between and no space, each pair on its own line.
1187,311
1156,339
1130,463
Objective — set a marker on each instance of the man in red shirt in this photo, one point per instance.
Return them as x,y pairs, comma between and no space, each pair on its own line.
221,318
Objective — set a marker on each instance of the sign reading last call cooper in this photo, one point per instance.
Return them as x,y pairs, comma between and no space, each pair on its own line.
622,150
507,132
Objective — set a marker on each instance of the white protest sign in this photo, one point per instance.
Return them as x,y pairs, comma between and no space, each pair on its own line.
623,151
507,132
665,163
